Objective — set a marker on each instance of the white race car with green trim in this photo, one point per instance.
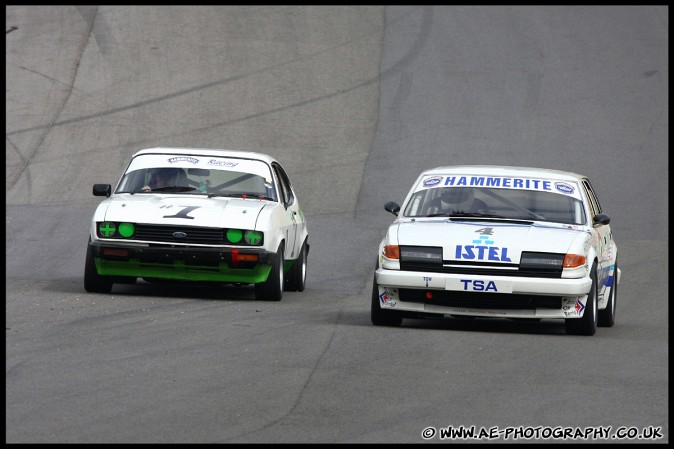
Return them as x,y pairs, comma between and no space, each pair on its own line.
511,242
200,215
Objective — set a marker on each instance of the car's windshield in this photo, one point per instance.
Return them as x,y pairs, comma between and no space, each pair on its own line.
515,204
198,175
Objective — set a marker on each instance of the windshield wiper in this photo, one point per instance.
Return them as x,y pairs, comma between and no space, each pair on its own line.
173,189
469,216
465,214
251,196
474,214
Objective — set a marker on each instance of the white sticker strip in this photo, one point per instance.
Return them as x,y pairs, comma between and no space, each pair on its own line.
479,285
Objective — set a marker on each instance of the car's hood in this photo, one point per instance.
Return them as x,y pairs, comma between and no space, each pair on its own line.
491,241
185,210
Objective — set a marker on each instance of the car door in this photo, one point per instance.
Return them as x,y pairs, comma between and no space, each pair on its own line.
291,208
604,238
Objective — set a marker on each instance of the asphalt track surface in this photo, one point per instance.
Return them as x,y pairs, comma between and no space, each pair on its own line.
354,101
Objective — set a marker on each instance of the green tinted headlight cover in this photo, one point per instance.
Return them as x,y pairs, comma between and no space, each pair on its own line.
254,238
106,228
234,235
126,229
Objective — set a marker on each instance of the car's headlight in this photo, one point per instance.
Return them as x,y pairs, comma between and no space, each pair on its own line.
541,261
111,229
428,255
244,237
253,237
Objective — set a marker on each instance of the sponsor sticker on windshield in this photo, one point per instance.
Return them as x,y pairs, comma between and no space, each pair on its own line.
501,182
564,188
432,181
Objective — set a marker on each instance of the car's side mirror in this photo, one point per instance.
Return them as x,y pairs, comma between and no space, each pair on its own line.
601,219
392,207
102,190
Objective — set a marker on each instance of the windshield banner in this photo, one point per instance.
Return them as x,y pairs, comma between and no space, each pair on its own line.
502,182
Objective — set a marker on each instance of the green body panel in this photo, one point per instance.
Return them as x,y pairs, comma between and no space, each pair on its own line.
179,271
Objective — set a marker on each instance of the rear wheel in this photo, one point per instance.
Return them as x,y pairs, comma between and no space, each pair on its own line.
607,316
381,317
272,288
587,325
94,282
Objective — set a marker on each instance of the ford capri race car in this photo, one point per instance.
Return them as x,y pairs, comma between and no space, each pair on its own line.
199,215
509,242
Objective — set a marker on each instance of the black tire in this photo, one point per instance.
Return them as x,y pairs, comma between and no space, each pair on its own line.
607,316
381,317
297,277
587,325
130,280
93,282
272,288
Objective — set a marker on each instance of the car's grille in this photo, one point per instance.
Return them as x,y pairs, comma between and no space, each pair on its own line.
480,268
174,234
481,300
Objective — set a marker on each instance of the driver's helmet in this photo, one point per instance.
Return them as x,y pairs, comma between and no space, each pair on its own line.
457,196
162,177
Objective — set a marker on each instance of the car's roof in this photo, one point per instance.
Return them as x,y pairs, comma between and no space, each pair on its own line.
208,152
501,170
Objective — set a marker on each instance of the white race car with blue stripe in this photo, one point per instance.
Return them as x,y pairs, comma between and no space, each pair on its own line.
486,241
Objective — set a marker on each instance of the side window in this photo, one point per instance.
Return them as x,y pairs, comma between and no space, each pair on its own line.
596,208
133,181
284,184
414,207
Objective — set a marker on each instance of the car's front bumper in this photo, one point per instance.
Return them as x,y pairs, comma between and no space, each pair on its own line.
187,263
492,296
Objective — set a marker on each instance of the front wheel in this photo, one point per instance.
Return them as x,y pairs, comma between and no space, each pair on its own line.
381,317
587,325
607,316
297,277
272,288
94,282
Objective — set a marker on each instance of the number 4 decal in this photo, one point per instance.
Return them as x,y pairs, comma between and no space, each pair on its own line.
486,231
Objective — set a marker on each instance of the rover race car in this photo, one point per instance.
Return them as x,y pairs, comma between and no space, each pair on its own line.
509,242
